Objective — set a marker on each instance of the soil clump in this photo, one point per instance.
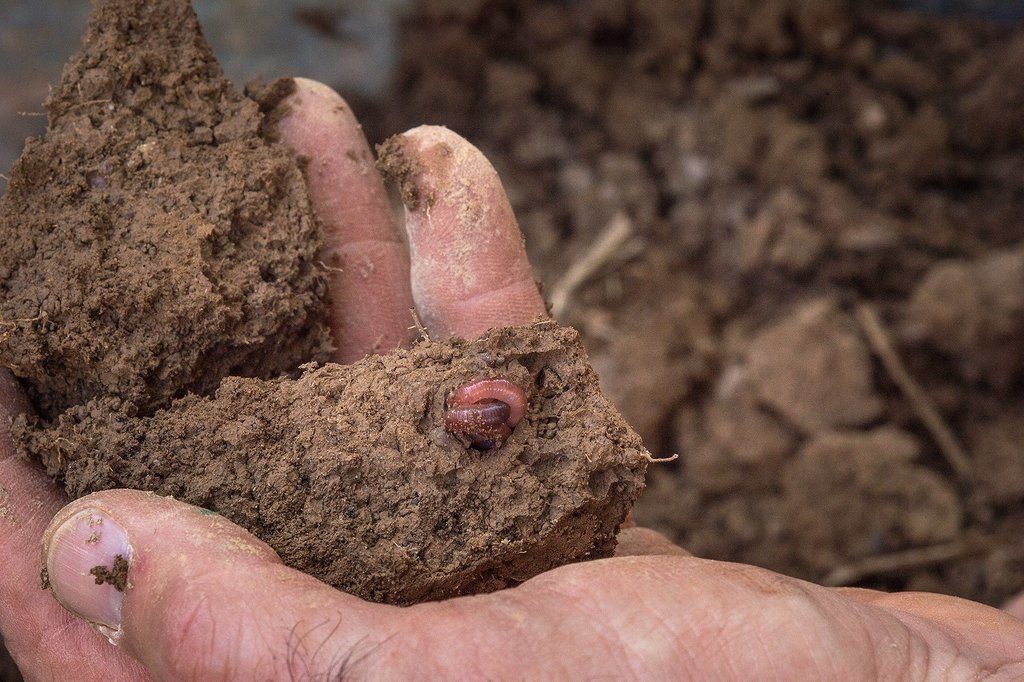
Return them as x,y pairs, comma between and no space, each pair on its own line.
348,471
156,239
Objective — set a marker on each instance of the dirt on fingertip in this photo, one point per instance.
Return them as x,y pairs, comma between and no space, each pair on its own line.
115,576
349,473
398,168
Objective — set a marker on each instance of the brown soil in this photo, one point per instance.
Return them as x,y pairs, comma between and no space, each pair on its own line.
349,474
781,163
155,240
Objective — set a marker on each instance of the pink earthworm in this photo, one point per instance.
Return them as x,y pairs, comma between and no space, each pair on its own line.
485,411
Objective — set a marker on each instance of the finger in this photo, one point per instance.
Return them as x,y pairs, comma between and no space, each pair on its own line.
685,618
366,260
1016,607
204,600
196,597
646,542
43,639
967,625
470,272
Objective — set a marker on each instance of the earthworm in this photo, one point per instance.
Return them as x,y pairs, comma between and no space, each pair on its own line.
485,411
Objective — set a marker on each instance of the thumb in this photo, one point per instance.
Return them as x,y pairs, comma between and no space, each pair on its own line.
193,596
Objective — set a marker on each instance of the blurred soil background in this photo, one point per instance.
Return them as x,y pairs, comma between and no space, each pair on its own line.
791,232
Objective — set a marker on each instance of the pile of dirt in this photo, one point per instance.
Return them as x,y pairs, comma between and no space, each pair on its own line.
159,243
827,213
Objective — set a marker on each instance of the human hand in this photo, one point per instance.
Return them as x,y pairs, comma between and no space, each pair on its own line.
206,600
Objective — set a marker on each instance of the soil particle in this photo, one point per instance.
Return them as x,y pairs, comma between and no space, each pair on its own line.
117,576
733,444
349,474
974,312
653,367
997,448
154,241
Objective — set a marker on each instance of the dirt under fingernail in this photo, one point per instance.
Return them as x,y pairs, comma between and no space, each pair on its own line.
400,168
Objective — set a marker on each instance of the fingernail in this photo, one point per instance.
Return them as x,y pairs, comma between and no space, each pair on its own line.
87,561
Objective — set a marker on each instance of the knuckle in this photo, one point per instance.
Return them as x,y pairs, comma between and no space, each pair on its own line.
189,636
195,634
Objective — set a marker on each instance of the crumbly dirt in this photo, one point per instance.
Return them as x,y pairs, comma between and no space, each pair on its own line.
349,474
398,168
781,163
155,240
116,575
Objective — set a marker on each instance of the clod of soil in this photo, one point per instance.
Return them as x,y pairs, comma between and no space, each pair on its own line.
349,473
156,240
786,363
856,494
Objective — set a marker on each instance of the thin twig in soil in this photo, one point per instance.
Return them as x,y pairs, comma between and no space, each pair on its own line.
79,105
906,560
660,460
92,101
882,345
611,239
15,323
327,267
418,325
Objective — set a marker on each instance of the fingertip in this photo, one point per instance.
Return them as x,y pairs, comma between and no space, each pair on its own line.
185,579
470,271
117,558
156,522
425,161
